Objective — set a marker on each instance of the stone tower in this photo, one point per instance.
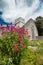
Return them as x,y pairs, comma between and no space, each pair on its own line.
30,25
20,22
32,29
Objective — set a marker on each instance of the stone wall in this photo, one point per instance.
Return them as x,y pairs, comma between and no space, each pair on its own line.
39,37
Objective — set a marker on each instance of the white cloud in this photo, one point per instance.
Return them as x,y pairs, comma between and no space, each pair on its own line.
39,13
12,12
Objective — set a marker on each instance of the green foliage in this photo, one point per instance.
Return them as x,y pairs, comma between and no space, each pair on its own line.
32,57
8,54
26,56
39,24
29,58
36,43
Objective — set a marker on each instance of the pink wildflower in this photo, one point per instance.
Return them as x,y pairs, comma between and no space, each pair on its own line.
14,44
22,45
16,49
12,29
29,36
20,37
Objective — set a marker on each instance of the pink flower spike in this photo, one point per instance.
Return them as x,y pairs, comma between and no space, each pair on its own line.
19,37
22,45
16,49
14,44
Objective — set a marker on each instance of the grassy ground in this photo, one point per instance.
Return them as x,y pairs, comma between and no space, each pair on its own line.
34,57
36,43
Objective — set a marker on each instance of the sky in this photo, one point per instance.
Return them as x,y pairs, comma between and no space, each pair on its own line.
27,9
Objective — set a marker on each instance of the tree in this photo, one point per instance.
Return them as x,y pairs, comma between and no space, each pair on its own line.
39,24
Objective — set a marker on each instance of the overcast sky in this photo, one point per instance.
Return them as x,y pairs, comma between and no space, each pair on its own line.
13,9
